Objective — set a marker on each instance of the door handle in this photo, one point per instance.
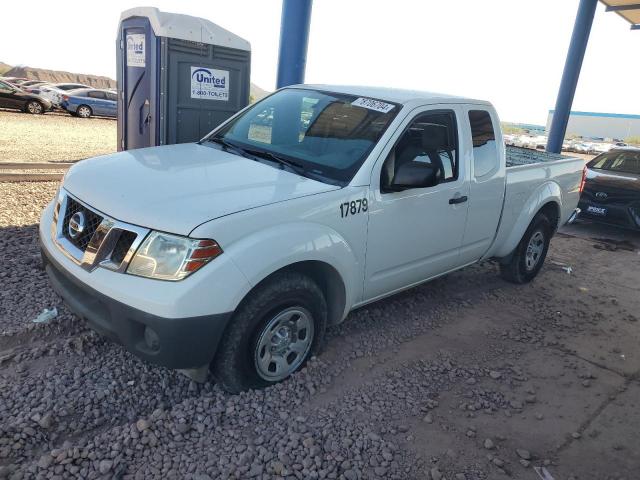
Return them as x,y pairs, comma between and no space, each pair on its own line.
456,200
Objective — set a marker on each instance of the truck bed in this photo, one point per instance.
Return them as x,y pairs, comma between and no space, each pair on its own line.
517,156
531,174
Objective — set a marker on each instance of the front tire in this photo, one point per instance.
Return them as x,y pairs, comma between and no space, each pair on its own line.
272,334
34,107
528,257
84,111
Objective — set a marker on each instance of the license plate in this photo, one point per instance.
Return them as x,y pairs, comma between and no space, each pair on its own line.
597,210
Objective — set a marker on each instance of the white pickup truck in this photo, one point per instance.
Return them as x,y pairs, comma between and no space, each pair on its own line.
235,253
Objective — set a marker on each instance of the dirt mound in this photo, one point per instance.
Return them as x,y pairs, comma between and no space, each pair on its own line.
55,76
4,68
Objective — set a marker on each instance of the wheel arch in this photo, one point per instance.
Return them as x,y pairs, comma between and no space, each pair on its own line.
325,276
547,198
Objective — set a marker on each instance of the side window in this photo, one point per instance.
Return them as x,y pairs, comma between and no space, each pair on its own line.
485,154
94,94
112,97
431,139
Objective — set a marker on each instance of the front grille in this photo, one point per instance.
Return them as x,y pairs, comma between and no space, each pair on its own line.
92,220
123,245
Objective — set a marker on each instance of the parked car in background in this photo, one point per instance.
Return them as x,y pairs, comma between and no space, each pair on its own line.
48,91
31,83
508,139
11,96
583,147
70,86
88,102
14,80
599,148
611,188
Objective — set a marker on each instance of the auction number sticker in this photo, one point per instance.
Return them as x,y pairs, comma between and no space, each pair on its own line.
209,83
135,50
372,104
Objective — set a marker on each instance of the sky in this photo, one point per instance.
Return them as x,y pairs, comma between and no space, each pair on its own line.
510,52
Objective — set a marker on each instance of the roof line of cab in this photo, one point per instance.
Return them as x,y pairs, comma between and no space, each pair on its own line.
395,95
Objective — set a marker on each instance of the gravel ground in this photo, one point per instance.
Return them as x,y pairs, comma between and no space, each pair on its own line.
467,377
54,137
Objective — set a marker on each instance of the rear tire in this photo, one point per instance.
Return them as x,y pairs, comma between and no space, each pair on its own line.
272,334
528,257
84,111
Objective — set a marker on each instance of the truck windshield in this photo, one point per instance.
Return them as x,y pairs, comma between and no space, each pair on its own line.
325,135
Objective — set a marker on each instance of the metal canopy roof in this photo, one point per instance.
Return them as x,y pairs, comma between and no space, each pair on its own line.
627,9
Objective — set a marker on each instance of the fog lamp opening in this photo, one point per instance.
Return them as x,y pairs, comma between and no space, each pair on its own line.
151,339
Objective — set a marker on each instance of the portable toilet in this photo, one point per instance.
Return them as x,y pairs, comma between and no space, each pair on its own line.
178,77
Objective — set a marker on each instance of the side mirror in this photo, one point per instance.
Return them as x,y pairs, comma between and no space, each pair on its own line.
414,175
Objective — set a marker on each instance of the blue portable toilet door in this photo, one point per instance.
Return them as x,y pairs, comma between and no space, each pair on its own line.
139,72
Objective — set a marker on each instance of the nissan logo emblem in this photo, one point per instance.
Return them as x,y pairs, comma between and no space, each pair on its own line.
601,195
76,225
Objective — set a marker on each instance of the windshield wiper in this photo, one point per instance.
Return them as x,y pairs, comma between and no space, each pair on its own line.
293,165
251,153
228,145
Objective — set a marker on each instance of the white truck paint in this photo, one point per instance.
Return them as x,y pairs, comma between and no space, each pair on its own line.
269,219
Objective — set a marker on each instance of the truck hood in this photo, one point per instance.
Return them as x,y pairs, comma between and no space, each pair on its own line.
176,188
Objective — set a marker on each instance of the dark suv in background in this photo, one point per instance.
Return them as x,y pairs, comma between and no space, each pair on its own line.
611,188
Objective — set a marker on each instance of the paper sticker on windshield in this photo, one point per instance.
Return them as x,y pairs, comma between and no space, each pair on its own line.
372,104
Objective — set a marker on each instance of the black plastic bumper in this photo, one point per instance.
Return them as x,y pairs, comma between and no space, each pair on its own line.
626,216
179,343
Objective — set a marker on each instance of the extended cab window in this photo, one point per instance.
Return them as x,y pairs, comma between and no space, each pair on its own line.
326,135
430,139
618,161
485,154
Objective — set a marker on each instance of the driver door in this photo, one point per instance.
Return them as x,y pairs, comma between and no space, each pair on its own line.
416,233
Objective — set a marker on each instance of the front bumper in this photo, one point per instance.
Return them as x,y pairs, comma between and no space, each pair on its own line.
179,343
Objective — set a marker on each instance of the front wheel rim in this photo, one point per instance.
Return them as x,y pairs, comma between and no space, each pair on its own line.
284,343
535,247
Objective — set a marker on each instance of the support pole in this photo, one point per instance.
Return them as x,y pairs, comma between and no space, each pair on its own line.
294,38
577,48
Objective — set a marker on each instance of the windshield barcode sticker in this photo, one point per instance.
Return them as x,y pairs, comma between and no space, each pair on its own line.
372,104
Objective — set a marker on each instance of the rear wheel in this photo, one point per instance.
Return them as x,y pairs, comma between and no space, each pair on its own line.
34,107
272,334
84,111
528,257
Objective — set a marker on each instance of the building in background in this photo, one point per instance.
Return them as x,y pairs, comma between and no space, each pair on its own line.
596,125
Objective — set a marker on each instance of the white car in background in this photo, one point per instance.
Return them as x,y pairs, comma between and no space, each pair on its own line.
599,148
509,139
50,92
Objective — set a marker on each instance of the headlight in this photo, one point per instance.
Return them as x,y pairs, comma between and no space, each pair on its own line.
171,257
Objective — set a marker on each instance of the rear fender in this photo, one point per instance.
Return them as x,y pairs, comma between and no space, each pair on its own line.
544,194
